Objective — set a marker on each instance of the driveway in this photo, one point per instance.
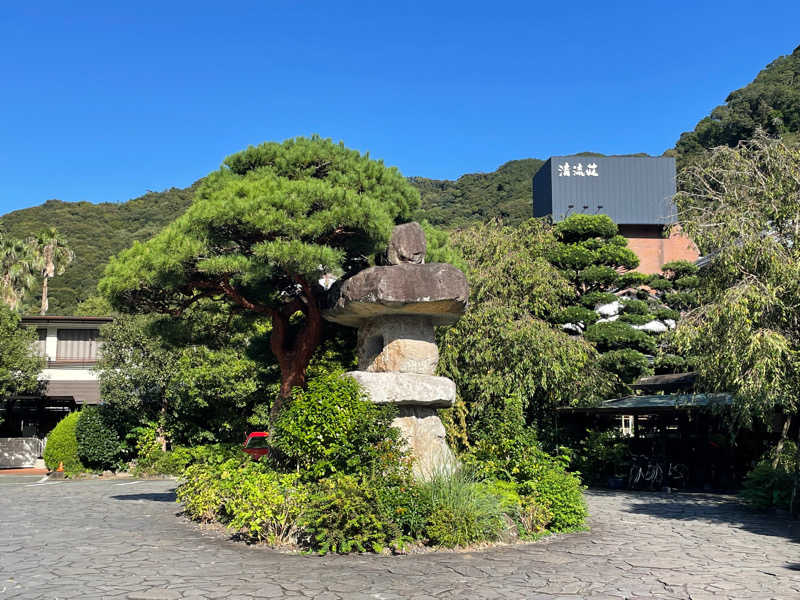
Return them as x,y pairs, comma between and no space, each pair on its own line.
122,539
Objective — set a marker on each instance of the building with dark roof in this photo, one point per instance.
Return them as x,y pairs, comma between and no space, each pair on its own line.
636,192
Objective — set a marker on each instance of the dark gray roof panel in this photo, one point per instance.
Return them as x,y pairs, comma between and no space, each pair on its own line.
630,190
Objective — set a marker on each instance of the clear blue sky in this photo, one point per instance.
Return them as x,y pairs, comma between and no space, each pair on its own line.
101,101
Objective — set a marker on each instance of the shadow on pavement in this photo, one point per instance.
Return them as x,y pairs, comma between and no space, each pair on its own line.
710,508
154,497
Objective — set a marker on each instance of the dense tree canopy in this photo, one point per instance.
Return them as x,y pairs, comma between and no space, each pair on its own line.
503,352
19,364
771,102
742,207
259,235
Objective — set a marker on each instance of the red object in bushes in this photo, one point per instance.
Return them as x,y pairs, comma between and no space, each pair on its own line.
256,444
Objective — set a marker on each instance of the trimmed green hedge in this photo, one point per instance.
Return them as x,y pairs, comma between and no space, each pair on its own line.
98,445
62,446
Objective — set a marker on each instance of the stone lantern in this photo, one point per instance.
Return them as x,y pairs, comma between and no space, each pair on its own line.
396,309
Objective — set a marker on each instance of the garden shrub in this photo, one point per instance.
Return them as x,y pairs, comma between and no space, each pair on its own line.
62,446
600,455
660,284
342,515
246,496
330,428
766,487
617,336
404,502
667,313
635,307
681,300
627,363
593,299
576,314
514,454
463,510
635,319
561,494
98,445
670,363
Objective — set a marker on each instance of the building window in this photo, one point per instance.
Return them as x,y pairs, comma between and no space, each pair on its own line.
41,341
627,425
77,344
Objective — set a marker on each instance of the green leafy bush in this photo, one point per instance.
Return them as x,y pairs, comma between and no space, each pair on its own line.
767,486
579,227
600,455
627,364
598,275
679,268
681,300
463,510
593,299
62,446
667,313
635,307
633,279
246,496
342,515
616,336
512,453
660,284
669,363
329,428
576,314
98,445
561,494
689,282
634,319
403,502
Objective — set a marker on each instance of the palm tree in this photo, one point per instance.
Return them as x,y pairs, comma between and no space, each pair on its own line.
52,257
17,265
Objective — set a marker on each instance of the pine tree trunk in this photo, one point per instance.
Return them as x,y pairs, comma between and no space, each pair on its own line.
294,355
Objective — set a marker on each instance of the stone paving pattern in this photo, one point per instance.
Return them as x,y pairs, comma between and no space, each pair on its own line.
105,539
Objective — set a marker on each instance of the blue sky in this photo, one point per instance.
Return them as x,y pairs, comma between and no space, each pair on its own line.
102,101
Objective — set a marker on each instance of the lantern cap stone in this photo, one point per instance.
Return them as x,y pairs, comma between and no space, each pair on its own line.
435,290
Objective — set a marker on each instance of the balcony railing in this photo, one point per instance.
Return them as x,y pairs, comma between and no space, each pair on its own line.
80,362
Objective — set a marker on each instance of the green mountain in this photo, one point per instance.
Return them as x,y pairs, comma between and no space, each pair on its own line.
94,232
771,101
97,231
504,193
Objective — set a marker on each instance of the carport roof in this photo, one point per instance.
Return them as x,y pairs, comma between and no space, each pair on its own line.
650,404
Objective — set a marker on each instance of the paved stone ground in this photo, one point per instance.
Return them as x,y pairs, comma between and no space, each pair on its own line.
106,539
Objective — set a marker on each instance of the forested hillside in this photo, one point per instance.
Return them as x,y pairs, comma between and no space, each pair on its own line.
97,231
771,101
504,193
94,232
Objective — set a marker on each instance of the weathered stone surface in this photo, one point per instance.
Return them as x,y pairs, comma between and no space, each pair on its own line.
407,245
400,343
654,326
407,388
609,310
435,290
424,433
19,452
99,539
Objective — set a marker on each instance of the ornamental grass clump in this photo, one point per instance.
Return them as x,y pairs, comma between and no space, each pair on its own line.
464,510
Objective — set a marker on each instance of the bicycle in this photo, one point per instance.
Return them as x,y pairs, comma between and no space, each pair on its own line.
647,470
677,475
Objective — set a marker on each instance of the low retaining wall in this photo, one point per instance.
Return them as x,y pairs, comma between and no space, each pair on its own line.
19,452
